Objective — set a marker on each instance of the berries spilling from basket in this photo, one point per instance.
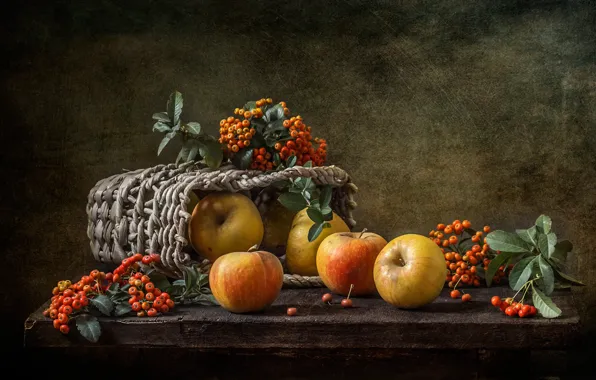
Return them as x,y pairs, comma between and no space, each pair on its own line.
467,254
263,135
119,293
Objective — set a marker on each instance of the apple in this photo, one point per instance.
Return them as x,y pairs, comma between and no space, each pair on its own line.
410,271
301,255
348,258
224,222
277,222
245,282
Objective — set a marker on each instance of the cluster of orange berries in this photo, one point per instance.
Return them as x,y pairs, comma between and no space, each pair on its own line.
69,298
145,298
512,308
237,132
301,144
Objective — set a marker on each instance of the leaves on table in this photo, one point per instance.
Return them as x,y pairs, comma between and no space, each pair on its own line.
544,304
89,327
103,304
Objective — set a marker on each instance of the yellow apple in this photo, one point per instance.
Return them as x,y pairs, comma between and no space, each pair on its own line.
348,258
410,271
277,221
301,255
224,222
245,282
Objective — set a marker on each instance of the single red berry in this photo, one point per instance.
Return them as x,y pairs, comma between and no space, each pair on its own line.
158,303
138,257
56,324
141,313
510,311
145,305
327,297
133,299
455,293
146,260
46,313
533,311
132,290
152,312
149,296
125,263
466,297
157,292
64,329
149,286
136,306
145,279
67,309
527,309
164,308
62,318
164,295
84,301
76,304
155,258
68,293
138,275
496,301
67,301
292,311
170,303
521,314
346,302
109,277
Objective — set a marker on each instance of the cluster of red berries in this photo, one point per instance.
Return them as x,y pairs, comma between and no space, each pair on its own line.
69,299
238,131
512,308
466,297
145,299
328,298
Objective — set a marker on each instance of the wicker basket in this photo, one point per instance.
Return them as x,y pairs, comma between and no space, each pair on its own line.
146,210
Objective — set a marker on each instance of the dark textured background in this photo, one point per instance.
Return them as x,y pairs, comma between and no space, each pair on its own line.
439,110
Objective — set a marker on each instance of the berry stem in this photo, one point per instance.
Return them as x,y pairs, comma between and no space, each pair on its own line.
350,291
362,233
457,283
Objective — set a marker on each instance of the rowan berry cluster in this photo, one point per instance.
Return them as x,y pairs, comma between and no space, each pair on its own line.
69,299
512,308
272,143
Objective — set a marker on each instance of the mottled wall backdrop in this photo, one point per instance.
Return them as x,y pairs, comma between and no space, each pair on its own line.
439,110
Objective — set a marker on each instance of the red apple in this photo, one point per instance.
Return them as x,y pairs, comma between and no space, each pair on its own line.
346,258
246,281
410,271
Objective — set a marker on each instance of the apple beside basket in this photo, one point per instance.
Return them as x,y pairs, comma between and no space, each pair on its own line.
146,210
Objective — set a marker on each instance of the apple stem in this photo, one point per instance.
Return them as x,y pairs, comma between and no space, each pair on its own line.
253,248
362,233
350,291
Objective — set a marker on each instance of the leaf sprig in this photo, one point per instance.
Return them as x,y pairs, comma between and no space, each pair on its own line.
540,262
300,193
196,144
193,288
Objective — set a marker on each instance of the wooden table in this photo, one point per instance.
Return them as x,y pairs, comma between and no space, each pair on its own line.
443,338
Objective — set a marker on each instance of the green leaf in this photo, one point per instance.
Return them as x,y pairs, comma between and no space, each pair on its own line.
543,224
203,280
521,272
184,152
568,278
161,127
326,225
315,215
103,304
562,248
529,235
290,162
292,201
162,116
307,164
249,106
546,244
495,264
276,158
114,287
166,139
327,213
243,158
507,242
273,127
275,112
178,283
548,276
190,278
122,309
89,327
175,107
544,304
325,197
212,153
205,299
160,281
194,128
315,231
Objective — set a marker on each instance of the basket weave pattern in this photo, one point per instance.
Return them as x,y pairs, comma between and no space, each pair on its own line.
146,210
